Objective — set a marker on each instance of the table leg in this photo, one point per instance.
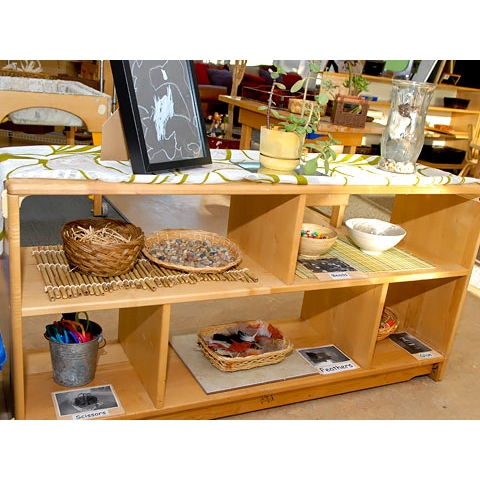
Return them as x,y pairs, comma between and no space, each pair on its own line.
349,149
70,134
336,218
245,137
97,205
97,138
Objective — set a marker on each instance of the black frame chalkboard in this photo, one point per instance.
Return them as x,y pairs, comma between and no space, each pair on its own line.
161,114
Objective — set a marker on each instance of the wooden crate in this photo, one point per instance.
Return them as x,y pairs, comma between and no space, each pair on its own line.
343,111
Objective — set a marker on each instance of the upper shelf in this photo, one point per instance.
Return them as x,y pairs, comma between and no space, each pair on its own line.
388,81
431,109
36,300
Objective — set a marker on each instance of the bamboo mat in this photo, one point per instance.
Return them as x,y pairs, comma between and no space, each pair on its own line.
63,282
394,259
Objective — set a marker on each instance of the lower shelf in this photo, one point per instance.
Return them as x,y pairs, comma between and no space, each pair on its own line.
185,399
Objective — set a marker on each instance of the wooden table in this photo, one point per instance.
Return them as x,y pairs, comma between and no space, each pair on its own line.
251,117
45,95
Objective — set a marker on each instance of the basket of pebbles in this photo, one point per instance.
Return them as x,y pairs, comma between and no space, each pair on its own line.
193,251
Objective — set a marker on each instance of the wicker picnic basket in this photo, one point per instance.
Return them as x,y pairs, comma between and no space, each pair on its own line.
191,250
233,364
388,324
103,257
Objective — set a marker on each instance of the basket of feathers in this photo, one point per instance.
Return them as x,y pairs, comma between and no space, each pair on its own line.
388,323
243,345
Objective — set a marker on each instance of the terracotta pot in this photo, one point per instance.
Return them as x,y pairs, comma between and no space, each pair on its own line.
279,150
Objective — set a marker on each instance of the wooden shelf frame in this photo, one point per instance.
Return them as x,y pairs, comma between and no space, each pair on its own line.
443,228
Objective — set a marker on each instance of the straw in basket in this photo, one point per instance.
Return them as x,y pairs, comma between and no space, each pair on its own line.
112,249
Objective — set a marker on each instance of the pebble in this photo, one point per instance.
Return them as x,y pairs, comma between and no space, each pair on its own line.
192,253
398,167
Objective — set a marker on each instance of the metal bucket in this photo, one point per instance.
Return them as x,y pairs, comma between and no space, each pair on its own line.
75,364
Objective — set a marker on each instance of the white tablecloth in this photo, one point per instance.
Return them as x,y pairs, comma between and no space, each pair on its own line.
84,162
77,162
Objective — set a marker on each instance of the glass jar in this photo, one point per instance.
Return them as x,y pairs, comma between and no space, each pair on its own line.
403,137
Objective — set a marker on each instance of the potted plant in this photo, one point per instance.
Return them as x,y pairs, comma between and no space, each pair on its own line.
351,110
283,146
279,148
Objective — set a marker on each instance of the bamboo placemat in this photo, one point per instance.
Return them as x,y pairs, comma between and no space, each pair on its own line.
61,281
394,259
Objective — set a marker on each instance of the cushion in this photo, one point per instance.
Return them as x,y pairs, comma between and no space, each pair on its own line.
201,72
220,77
265,74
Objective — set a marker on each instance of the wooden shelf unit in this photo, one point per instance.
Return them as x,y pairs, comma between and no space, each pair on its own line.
443,228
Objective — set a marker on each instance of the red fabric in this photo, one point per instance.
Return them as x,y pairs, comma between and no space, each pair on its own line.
289,79
202,75
255,79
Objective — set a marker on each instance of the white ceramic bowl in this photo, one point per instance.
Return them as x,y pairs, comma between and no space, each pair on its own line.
374,236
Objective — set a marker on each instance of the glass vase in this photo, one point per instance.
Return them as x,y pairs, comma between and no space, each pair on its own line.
403,137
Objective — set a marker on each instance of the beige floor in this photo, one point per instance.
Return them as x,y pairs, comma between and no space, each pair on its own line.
455,397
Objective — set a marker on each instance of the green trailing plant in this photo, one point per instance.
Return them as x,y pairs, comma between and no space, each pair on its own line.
356,84
314,108
325,153
304,123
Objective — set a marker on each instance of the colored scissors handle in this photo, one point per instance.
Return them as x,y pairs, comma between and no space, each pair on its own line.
54,334
72,325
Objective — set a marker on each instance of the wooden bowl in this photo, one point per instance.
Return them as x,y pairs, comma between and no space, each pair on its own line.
315,247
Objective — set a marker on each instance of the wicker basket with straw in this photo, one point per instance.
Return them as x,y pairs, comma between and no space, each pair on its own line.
102,246
388,324
282,347
193,251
